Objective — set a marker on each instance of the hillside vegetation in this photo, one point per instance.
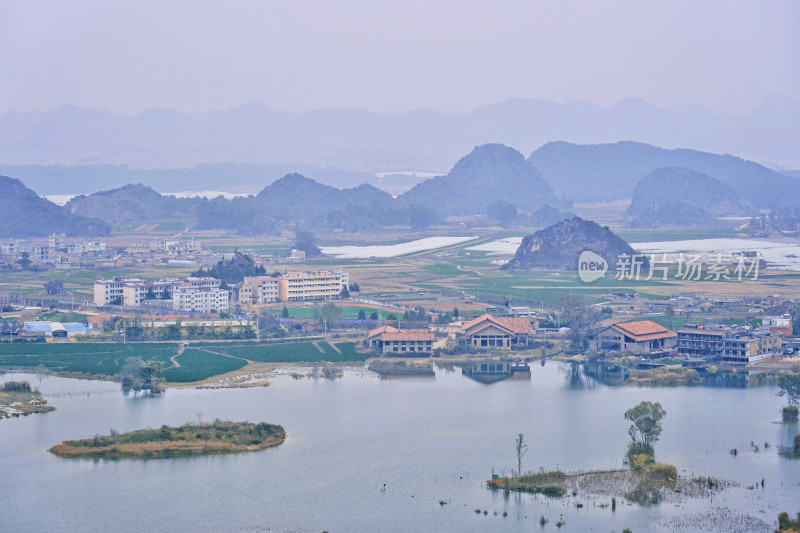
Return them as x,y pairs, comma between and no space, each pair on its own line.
683,197
25,213
602,172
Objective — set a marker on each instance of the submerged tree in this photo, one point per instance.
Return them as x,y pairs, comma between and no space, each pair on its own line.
789,385
646,427
522,449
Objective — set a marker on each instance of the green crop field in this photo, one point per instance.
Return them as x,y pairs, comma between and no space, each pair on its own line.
306,311
104,359
297,352
197,365
213,345
65,317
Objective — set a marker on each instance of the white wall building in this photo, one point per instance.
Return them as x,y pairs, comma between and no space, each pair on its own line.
204,300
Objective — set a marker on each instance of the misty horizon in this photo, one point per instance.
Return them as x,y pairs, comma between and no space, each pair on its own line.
679,104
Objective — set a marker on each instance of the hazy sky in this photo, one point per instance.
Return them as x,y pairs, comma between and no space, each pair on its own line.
292,55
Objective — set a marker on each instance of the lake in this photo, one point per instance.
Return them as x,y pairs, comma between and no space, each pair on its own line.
426,438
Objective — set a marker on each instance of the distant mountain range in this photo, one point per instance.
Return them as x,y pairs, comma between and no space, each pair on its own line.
341,142
490,172
672,187
24,214
591,173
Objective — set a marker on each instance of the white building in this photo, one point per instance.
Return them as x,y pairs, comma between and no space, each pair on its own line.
134,291
204,300
259,290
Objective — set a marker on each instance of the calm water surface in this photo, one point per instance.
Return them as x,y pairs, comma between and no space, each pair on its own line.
426,439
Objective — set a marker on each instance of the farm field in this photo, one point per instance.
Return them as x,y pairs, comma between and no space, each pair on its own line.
297,352
196,363
349,312
105,359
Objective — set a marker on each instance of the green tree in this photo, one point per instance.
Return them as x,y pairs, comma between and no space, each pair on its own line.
502,211
173,331
151,294
373,315
646,427
24,260
285,312
150,371
362,315
420,217
344,292
669,316
331,313
54,287
455,313
579,317
307,242
789,385
131,373
41,374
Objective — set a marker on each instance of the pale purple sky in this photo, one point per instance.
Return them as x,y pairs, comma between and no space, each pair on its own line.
297,55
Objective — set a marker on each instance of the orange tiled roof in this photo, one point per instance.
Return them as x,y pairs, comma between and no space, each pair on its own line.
644,330
517,325
382,329
513,325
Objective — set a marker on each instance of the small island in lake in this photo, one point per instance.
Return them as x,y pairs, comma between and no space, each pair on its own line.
188,439
17,398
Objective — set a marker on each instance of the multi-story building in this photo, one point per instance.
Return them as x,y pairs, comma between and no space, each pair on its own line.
741,348
782,323
134,294
204,300
201,283
57,240
108,292
133,291
317,285
738,346
41,254
258,290
698,341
